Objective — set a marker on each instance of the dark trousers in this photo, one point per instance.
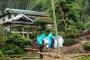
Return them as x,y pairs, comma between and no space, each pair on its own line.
41,50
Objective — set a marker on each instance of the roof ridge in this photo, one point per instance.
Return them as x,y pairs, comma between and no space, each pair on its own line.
21,10
9,10
18,17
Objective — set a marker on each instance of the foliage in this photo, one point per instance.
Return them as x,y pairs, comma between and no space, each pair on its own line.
1,54
69,42
16,39
70,14
86,46
83,58
15,44
2,36
12,49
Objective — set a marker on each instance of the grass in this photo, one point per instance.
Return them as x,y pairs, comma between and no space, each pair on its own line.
83,58
10,58
30,55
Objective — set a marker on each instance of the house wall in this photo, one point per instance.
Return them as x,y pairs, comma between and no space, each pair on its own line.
12,15
6,17
49,26
1,20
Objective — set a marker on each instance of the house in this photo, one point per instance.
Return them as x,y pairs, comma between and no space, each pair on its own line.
22,21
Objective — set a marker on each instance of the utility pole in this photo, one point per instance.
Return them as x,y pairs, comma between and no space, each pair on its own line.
55,23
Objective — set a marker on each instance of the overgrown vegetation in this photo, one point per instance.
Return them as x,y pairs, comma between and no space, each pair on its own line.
14,45
86,46
69,42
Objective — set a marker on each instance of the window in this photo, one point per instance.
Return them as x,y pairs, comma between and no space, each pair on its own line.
9,16
3,20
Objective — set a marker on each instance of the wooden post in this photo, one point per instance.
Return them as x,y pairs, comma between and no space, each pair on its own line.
28,35
23,31
8,28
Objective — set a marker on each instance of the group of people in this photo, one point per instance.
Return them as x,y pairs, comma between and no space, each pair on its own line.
50,40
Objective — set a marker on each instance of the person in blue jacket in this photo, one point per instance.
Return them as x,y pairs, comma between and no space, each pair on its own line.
40,38
40,43
51,40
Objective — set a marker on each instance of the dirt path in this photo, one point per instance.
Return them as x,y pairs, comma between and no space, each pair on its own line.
51,58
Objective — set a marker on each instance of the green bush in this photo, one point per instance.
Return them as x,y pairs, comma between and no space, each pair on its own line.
9,52
8,49
86,46
12,49
69,42
18,50
15,44
1,54
17,40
